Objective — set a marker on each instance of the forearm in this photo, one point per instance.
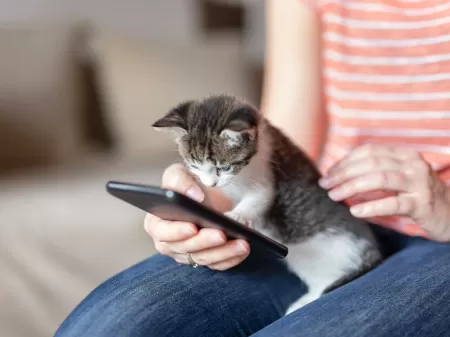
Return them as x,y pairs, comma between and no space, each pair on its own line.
300,120
291,93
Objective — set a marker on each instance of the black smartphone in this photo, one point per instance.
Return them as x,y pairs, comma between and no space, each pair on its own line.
170,205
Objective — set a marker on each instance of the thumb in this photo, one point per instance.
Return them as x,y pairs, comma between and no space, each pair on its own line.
177,178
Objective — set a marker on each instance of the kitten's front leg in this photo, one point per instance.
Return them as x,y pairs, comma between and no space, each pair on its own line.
250,208
244,219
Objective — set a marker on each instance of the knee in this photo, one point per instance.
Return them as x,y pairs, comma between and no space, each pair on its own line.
143,302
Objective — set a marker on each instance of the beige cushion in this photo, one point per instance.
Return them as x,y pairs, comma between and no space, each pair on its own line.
61,235
39,95
142,80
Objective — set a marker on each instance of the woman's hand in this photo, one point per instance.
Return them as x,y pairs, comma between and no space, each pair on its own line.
208,247
416,190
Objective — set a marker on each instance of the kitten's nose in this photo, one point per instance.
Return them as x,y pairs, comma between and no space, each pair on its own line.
214,183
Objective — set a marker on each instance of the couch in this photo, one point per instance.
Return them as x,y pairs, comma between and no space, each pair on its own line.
61,234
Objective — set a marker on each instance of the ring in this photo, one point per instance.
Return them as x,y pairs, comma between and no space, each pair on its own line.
192,262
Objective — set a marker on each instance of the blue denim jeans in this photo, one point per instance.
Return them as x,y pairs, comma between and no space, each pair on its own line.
407,295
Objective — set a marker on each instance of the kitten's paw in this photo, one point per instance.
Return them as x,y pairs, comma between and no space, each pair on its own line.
241,218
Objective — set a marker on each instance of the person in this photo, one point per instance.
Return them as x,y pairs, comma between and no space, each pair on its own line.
378,79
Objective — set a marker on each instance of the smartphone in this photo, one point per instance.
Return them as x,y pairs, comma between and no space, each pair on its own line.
170,205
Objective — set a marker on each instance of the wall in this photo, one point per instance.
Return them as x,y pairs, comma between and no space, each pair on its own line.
175,20
254,33
167,19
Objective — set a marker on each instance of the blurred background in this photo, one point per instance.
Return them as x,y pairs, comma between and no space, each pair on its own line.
81,82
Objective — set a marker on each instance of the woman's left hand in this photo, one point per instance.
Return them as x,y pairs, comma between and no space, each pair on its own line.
419,193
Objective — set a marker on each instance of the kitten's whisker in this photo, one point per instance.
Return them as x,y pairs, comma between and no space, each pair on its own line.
243,183
174,161
269,160
249,183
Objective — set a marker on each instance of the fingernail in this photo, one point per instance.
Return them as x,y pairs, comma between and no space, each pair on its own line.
195,193
335,195
217,238
357,210
188,231
241,248
323,182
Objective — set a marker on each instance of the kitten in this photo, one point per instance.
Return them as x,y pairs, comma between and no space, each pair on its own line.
274,186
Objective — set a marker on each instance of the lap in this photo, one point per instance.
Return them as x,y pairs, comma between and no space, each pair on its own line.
161,298
407,295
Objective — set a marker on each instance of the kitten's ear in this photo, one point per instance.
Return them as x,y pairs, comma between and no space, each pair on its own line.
175,121
242,126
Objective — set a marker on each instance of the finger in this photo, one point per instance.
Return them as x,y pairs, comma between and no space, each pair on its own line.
359,198
376,150
181,258
232,249
391,181
206,238
168,231
228,264
163,249
359,167
399,205
177,178
364,151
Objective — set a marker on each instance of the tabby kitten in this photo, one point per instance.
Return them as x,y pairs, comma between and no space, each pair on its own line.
226,143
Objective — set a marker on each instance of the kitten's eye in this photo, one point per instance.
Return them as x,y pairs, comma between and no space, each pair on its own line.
225,168
195,167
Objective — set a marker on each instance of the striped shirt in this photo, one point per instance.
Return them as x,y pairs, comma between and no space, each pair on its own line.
386,68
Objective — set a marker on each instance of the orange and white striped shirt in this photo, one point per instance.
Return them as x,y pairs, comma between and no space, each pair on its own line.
386,68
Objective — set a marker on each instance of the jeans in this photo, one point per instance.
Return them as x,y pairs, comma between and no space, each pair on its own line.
407,295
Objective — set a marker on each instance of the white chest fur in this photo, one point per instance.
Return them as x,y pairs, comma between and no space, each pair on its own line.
252,189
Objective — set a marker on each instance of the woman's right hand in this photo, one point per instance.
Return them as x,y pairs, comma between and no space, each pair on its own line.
208,247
